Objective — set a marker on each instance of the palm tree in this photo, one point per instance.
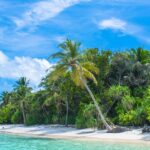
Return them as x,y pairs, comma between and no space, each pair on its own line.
60,93
140,55
5,97
21,88
71,62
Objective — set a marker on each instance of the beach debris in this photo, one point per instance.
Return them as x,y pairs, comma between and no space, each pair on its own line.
118,130
146,129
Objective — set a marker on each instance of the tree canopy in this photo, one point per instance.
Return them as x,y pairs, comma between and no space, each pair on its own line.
88,88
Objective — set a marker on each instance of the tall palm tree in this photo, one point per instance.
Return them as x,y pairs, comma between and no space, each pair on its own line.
71,62
21,90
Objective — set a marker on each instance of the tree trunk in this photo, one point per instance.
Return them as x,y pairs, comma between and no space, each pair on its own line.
23,112
67,109
108,127
109,109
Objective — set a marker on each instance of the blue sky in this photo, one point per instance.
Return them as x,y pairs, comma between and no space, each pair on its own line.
30,31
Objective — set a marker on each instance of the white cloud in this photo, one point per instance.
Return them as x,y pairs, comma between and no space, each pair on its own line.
125,2
3,58
44,10
125,28
113,23
31,68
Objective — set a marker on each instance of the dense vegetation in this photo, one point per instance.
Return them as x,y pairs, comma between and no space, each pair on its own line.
88,88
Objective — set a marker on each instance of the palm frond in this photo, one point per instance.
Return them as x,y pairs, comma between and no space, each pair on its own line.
74,47
57,55
65,45
70,47
75,76
89,75
90,67
58,71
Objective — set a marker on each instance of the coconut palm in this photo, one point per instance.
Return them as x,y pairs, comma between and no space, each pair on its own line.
5,97
71,62
21,90
141,55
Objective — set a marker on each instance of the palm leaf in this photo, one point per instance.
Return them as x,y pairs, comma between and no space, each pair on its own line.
89,75
58,71
75,76
90,67
57,55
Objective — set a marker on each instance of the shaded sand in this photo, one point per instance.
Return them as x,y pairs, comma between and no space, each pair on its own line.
61,132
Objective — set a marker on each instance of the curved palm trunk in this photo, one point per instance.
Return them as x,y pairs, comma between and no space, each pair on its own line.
108,127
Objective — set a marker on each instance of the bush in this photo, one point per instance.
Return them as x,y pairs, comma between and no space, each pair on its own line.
148,114
87,116
133,117
117,100
30,120
17,117
128,102
117,92
6,113
127,118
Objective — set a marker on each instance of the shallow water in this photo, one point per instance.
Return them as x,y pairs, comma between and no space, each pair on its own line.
9,142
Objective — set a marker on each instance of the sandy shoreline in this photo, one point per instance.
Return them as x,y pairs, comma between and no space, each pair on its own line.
61,132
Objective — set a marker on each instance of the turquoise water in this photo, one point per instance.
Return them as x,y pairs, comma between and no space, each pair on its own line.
8,142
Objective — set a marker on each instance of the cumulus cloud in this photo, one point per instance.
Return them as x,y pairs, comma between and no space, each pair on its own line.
3,58
33,69
44,10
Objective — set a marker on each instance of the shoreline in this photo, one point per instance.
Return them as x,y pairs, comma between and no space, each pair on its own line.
134,136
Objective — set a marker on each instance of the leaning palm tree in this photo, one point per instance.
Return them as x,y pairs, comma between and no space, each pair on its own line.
71,62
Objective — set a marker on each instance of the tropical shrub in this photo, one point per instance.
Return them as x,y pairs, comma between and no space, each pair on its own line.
87,116
6,112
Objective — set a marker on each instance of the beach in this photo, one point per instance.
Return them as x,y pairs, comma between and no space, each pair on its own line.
62,132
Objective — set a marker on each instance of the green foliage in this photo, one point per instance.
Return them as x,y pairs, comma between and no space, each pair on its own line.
148,113
87,116
128,102
122,91
31,120
139,91
116,99
140,55
132,117
16,117
117,92
127,118
6,112
129,70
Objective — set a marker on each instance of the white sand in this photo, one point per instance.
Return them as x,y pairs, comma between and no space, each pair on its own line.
57,131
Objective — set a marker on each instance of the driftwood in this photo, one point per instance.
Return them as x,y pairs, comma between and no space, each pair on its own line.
146,129
118,130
